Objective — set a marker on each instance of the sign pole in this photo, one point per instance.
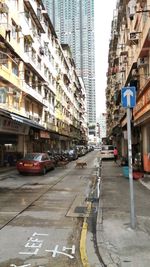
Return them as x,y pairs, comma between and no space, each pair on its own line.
130,168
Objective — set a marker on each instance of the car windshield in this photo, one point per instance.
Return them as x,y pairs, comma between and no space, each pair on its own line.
106,147
35,156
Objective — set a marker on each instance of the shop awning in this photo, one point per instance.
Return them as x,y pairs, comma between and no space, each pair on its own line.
20,119
16,118
26,121
4,113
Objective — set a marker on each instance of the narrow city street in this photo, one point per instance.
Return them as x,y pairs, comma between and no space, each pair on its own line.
58,219
74,133
41,217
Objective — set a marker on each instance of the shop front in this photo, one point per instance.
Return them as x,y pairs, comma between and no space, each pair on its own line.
45,141
10,147
142,119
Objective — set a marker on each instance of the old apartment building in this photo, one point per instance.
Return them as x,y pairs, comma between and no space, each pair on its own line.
129,65
42,100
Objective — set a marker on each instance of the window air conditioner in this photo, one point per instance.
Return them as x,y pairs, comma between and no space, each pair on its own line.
122,69
31,117
43,11
125,59
18,28
133,36
142,61
3,8
41,51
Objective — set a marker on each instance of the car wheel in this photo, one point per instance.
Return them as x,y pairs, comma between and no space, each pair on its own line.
44,171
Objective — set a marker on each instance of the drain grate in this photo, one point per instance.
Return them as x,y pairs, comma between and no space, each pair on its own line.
80,209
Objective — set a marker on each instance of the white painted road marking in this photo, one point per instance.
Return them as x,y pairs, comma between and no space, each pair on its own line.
55,251
72,249
33,243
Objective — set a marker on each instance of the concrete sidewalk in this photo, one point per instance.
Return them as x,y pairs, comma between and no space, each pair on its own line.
118,243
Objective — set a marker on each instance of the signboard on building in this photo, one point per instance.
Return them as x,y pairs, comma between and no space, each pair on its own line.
10,126
44,134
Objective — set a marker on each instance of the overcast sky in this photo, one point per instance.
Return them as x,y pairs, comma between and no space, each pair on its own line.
103,17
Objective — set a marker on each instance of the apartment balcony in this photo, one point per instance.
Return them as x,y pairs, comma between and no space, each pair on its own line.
142,46
28,35
29,59
63,131
33,93
3,8
33,64
10,79
34,118
36,14
9,40
117,116
45,102
124,53
49,106
50,126
66,79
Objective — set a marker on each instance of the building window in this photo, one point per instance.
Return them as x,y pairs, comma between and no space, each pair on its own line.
3,95
39,87
16,102
39,63
33,82
15,69
33,55
14,32
45,71
27,76
3,59
27,16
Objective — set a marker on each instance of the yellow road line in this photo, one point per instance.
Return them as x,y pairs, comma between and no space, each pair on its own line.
83,253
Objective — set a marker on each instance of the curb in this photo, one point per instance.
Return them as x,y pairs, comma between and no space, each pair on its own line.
147,185
84,257
83,253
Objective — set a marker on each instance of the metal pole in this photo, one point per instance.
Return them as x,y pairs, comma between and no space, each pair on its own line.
130,168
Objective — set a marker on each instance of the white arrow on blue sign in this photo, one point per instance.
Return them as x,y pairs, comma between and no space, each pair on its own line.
128,97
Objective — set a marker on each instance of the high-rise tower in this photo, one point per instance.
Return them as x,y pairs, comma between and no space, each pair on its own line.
73,21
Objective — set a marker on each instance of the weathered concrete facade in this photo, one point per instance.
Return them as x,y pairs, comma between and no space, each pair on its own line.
129,65
42,100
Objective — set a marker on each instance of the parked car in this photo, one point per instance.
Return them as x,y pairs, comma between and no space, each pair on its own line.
81,150
107,152
90,148
71,154
58,156
97,147
35,163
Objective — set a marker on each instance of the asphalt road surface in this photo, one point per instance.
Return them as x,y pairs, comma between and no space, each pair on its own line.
42,217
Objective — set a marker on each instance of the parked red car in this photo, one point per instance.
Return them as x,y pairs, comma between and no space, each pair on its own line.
35,163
